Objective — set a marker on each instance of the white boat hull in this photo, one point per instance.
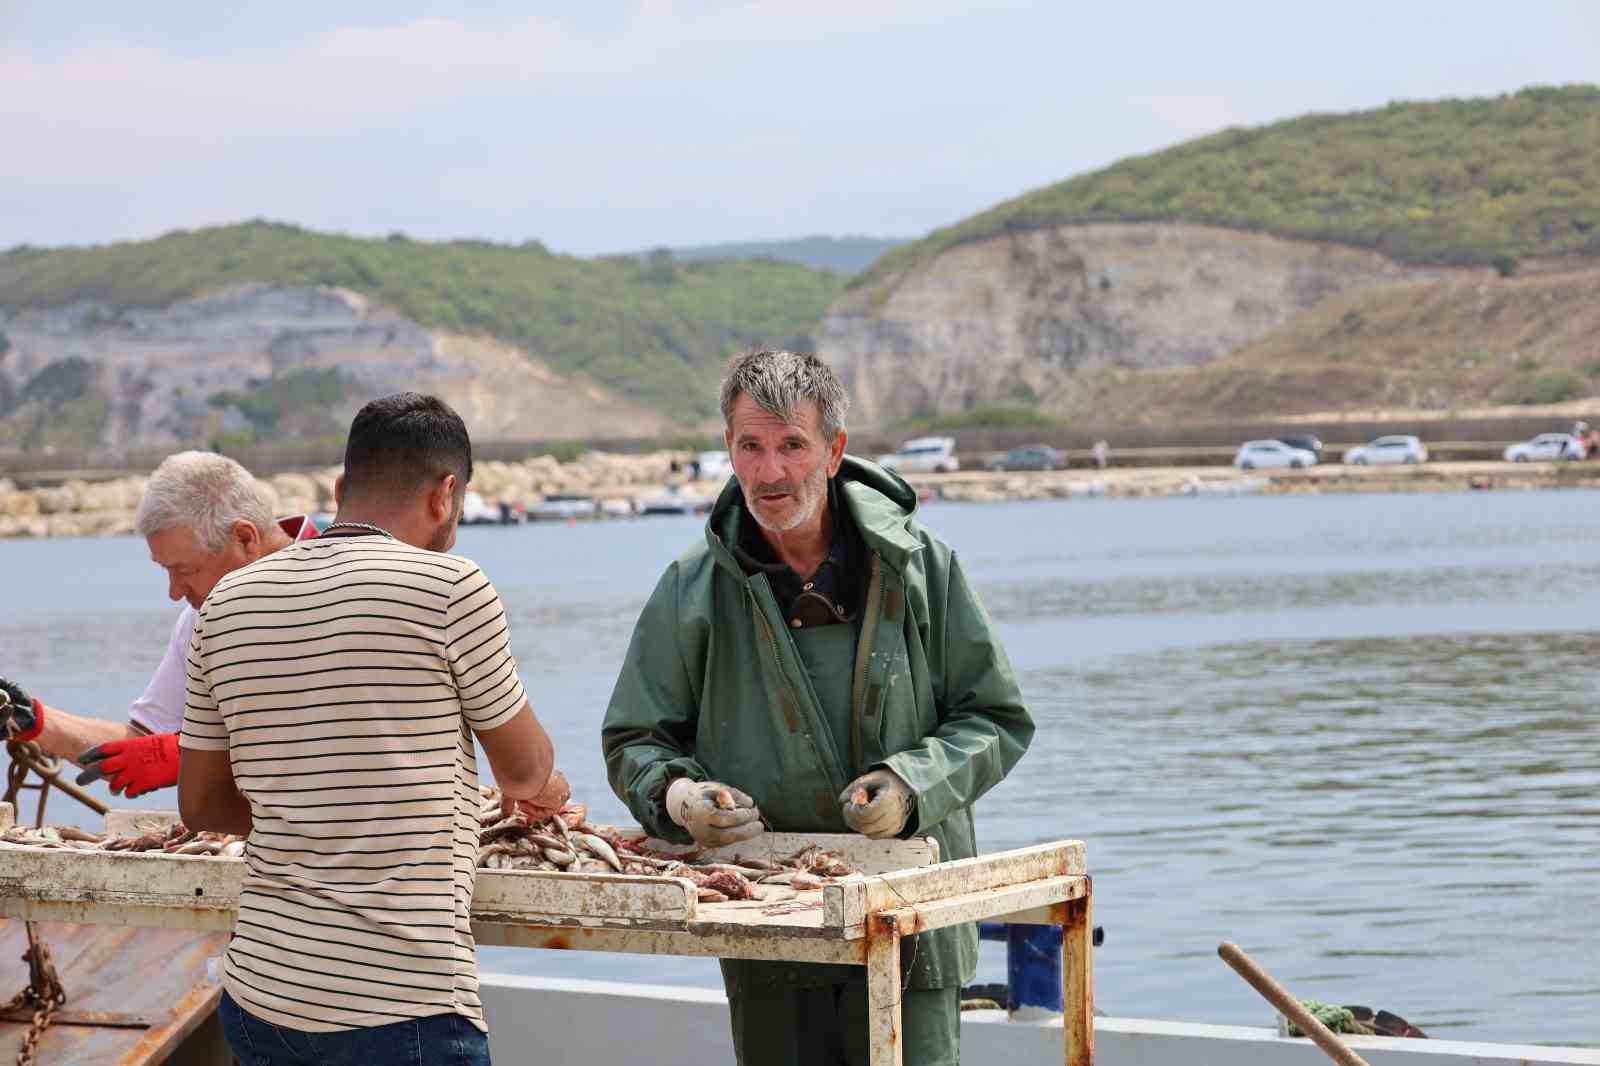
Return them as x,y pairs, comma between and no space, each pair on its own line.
558,1022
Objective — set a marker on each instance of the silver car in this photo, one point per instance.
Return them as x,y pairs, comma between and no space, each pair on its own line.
1547,446
1030,457
1265,454
1388,450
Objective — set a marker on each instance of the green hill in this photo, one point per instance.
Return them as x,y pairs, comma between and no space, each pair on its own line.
847,255
653,328
1453,182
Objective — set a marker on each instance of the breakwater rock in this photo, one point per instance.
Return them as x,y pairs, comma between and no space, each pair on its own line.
79,508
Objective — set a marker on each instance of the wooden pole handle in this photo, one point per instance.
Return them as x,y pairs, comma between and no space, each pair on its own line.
1279,997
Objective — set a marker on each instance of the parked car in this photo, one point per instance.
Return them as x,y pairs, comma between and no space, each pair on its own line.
1547,446
713,466
1306,442
1030,457
922,456
1388,450
1264,454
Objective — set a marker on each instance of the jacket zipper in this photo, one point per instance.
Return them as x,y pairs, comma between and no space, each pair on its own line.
772,642
783,675
869,626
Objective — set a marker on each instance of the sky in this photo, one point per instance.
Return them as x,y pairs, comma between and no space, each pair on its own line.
600,127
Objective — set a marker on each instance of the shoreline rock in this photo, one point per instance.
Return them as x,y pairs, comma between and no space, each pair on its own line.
78,508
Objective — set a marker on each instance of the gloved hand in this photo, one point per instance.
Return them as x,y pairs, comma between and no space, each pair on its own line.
22,712
878,804
133,766
713,813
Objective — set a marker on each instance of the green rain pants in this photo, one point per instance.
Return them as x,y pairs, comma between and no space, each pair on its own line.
827,1025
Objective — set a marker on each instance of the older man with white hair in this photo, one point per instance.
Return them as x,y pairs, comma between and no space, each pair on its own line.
202,516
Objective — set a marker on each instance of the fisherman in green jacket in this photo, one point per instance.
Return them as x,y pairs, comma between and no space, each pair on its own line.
820,643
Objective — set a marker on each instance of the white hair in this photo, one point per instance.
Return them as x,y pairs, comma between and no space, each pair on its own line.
206,492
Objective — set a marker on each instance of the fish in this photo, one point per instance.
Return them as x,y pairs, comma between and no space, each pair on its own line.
564,842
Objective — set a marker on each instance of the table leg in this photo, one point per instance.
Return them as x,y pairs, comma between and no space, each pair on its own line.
883,991
1077,978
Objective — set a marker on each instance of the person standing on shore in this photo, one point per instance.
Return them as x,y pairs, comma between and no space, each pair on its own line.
202,516
821,659
335,689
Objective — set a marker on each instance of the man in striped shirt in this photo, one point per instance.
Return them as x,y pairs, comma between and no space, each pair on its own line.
335,689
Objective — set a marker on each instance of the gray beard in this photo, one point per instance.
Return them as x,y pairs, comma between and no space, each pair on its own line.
810,503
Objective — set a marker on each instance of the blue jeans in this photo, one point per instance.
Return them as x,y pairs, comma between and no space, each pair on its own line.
442,1040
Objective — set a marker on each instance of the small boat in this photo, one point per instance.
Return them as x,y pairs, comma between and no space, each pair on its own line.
674,501
562,506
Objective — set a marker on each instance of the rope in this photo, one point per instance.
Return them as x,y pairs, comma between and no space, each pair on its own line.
1339,1019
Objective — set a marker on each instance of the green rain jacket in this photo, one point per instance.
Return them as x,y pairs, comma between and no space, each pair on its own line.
713,688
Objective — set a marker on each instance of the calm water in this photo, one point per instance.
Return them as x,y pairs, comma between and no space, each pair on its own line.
1357,734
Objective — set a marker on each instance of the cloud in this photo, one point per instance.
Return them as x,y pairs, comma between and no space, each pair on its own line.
820,10
344,73
386,72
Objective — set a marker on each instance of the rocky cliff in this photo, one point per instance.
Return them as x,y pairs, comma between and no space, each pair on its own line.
1017,319
89,375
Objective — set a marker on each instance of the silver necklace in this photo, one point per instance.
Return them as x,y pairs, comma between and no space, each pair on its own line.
364,526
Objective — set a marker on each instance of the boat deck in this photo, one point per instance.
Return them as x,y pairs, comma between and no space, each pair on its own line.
133,995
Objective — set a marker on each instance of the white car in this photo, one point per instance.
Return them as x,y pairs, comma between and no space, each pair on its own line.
1388,450
713,466
923,456
1263,454
1547,446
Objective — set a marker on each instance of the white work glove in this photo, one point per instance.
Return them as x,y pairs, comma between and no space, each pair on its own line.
878,804
713,813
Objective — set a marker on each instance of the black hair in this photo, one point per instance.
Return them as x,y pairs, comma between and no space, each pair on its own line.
400,443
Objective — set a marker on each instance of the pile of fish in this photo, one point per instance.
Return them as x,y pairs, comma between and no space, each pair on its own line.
562,842
566,841
173,839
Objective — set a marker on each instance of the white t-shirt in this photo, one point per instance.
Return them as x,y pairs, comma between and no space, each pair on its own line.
160,709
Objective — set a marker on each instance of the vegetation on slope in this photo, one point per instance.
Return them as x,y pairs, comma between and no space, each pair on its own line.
653,328
844,255
57,406
1452,182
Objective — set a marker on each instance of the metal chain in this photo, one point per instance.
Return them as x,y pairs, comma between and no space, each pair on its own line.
44,992
27,755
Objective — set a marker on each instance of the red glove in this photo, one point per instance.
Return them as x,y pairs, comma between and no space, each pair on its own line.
133,766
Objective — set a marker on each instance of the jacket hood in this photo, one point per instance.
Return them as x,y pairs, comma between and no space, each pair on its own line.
880,501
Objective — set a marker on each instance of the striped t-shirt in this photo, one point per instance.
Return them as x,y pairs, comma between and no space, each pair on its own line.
344,676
